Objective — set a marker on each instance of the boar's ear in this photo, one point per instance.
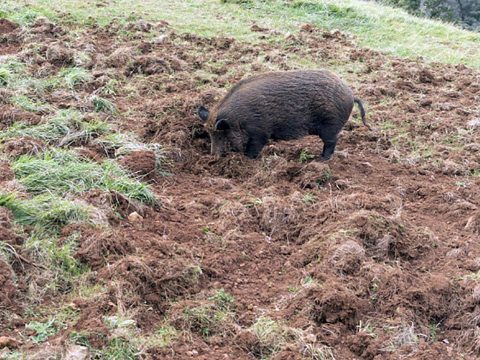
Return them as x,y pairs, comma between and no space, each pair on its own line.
203,113
222,124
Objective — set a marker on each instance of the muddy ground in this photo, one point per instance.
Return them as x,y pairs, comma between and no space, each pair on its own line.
374,254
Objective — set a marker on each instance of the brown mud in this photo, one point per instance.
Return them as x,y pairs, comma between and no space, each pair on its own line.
374,254
9,37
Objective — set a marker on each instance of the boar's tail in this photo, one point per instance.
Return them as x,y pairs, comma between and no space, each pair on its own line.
362,111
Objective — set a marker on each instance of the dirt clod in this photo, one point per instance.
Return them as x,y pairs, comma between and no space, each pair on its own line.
473,223
7,26
9,289
6,173
348,257
134,217
10,115
9,342
334,304
23,146
140,163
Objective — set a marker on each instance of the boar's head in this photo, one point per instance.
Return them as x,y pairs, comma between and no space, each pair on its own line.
225,135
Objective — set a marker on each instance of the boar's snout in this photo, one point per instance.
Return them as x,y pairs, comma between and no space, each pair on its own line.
226,138
217,151
219,144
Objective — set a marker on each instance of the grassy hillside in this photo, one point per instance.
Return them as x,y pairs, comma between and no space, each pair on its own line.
376,26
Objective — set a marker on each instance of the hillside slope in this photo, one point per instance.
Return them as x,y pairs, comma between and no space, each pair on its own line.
124,238
378,27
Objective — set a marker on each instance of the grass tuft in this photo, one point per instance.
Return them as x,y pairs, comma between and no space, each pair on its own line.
63,129
63,172
103,105
4,76
305,156
26,103
206,320
119,348
46,211
119,144
43,330
270,334
223,300
75,76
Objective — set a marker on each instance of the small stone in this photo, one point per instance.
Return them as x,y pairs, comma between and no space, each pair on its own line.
456,253
476,294
341,184
77,352
474,123
311,338
162,39
284,250
9,342
307,27
135,217
426,102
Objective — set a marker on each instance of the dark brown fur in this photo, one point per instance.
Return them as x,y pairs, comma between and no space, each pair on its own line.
280,106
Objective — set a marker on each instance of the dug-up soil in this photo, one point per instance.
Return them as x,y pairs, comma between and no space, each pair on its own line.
374,254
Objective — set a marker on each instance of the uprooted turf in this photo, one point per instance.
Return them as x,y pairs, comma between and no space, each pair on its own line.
373,254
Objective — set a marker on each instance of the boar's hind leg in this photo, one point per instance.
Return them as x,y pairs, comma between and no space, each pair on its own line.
255,145
329,137
328,149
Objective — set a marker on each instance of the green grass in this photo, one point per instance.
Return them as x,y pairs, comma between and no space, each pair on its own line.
11,67
28,104
14,75
102,104
270,334
110,88
80,338
120,349
212,317
119,144
376,26
74,76
40,220
305,156
164,336
223,300
47,211
309,198
62,172
4,77
207,320
49,195
42,330
61,257
56,128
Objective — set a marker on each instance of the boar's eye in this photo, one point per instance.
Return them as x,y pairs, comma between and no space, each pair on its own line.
222,124
203,113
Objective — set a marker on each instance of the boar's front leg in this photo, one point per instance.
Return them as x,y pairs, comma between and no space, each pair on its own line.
255,145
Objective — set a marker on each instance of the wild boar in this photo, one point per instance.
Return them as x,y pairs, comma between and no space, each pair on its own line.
280,106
